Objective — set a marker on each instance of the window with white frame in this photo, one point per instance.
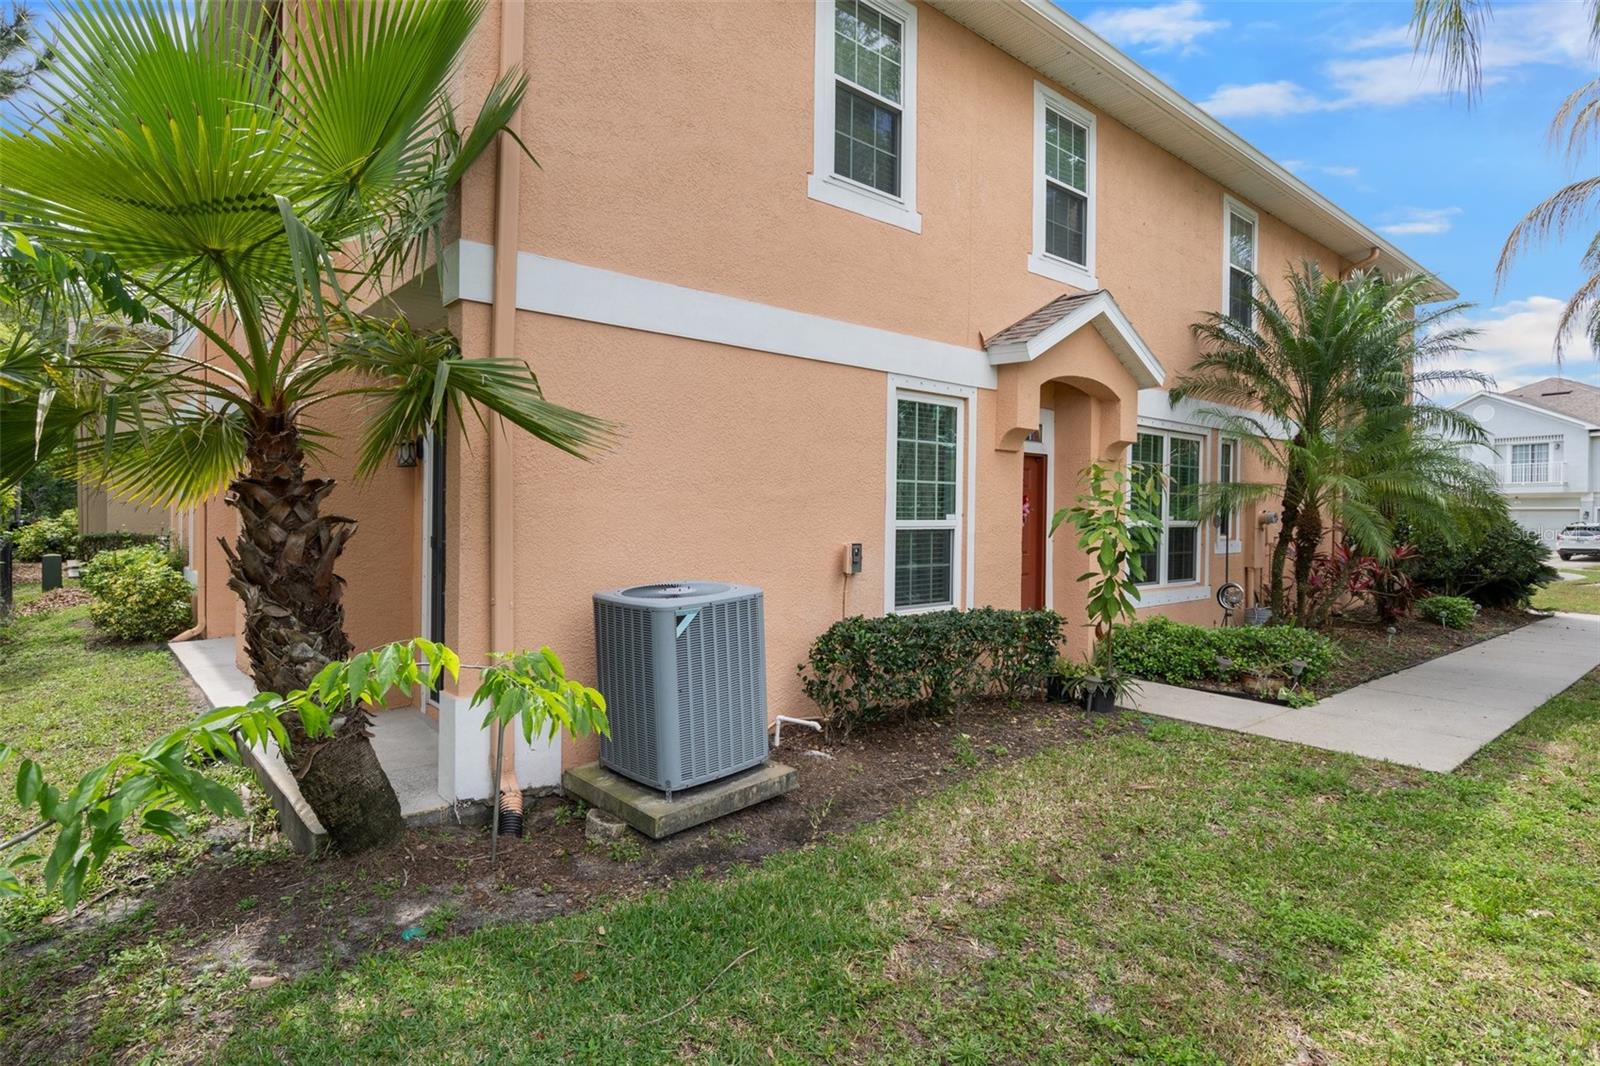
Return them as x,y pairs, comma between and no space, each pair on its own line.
1173,461
1239,260
1063,190
1228,473
927,501
1530,463
865,152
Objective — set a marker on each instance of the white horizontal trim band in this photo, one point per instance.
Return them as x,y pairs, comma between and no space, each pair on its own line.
591,294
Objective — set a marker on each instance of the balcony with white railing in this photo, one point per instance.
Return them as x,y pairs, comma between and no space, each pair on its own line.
1537,474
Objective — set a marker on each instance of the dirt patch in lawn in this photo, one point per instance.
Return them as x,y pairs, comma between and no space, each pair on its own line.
240,912
54,600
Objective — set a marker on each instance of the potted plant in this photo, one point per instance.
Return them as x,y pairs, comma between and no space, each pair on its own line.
1116,522
1065,680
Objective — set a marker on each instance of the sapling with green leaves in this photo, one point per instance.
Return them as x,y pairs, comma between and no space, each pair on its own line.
1116,520
528,689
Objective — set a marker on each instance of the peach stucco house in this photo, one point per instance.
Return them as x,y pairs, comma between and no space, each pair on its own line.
857,271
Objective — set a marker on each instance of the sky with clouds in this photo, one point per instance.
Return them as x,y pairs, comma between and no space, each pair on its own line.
1333,91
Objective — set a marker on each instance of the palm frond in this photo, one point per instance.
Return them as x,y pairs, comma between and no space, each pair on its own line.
408,378
1451,31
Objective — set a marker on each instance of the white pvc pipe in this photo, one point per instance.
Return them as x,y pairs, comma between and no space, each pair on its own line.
777,726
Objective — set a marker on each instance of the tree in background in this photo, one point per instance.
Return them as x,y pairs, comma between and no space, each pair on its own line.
21,57
1331,392
189,167
1451,31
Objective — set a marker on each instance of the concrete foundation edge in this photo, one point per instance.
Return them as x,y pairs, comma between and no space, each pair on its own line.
648,810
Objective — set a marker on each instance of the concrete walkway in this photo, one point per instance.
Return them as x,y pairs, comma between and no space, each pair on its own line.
406,743
1434,716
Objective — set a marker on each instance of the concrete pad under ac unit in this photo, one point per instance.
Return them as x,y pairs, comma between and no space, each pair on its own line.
652,814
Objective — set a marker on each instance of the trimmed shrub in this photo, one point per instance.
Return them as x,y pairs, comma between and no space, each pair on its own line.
1455,612
1499,565
1159,649
137,594
92,544
866,669
37,539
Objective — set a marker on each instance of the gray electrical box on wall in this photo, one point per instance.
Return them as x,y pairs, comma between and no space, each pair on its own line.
852,559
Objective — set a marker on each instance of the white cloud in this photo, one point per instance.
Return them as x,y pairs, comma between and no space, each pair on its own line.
1392,37
1300,166
1516,344
1528,34
1162,28
1423,220
1264,98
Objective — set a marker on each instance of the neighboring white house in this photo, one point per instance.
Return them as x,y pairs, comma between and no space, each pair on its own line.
1546,451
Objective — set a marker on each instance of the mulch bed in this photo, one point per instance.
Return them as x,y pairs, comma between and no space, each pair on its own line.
54,600
1372,652
286,916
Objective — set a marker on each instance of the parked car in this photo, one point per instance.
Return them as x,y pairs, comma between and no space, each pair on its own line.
1578,540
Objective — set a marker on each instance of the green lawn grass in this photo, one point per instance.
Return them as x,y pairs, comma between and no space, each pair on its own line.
1577,597
1172,895
70,706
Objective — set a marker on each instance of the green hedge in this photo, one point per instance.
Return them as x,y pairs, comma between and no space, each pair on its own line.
1498,565
137,594
1456,612
37,539
92,544
867,669
1159,649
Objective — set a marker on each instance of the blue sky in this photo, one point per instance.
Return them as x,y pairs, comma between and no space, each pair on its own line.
1333,91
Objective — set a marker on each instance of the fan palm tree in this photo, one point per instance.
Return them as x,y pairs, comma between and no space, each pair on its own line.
1331,392
222,173
1451,32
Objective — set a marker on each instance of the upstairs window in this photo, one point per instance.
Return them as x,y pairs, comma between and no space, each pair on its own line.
867,52
865,158
1239,261
1066,188
1063,190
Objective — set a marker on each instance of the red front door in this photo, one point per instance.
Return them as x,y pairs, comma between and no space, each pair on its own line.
1033,530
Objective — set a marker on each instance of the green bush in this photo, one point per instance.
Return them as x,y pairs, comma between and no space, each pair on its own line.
1159,649
92,544
37,539
1456,612
1498,565
865,669
137,594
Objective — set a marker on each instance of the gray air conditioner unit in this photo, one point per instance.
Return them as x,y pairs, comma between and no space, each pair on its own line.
683,670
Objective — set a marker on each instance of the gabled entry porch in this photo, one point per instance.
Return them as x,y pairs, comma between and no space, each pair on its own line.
1066,396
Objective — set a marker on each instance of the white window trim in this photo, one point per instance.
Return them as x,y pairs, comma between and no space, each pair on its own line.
1201,562
1079,275
1231,207
1234,544
1046,446
835,189
963,398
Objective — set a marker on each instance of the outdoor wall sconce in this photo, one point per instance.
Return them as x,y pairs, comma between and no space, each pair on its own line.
406,454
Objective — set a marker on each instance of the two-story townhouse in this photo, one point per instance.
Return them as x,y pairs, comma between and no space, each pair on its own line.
1544,448
850,272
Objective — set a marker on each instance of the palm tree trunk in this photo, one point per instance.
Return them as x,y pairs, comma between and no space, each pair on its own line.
1293,495
1308,538
282,567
